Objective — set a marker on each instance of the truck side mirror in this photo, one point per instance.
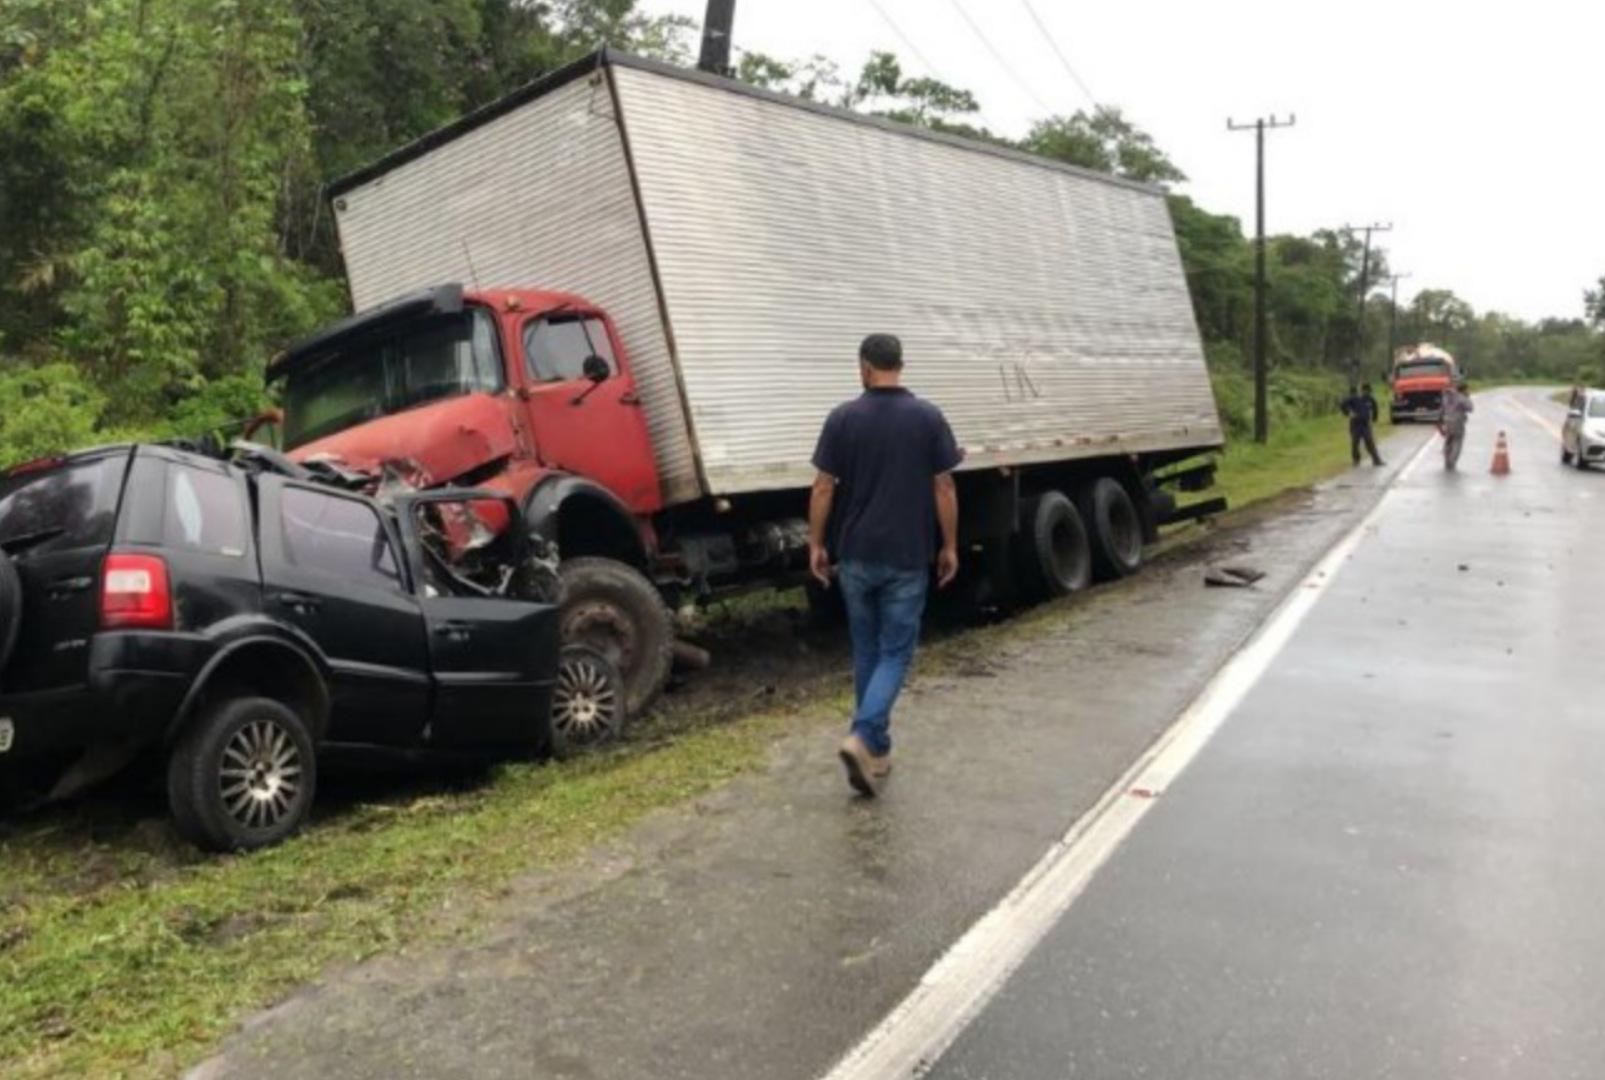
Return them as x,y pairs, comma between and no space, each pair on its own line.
595,369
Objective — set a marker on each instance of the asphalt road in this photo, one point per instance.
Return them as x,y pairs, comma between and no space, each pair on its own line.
764,930
1389,861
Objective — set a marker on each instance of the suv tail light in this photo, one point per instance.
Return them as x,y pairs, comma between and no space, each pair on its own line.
135,594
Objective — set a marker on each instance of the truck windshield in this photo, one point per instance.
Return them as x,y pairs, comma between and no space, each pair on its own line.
1423,370
424,361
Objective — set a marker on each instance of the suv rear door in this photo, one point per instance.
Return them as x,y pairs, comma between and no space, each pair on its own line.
56,522
331,567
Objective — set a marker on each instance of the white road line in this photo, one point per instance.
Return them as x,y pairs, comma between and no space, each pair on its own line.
908,1042
1533,414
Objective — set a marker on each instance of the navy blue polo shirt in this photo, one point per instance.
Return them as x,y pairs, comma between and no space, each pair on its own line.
884,449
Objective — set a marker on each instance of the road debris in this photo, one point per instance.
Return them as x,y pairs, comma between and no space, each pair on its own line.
1232,577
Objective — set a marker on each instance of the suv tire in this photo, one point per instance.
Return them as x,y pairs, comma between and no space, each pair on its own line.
612,607
588,702
242,776
10,608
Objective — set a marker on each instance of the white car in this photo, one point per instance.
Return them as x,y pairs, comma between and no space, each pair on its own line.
1582,440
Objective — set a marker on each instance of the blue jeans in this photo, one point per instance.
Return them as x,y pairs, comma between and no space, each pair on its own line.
884,606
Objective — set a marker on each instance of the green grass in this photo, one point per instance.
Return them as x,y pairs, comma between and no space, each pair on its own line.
1298,454
122,957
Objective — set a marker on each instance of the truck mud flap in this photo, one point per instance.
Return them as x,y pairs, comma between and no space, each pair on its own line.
1195,511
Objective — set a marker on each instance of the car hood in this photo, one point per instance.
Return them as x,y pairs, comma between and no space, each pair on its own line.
447,439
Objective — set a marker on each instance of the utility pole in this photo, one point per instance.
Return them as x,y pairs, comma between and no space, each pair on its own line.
1365,284
1258,127
716,30
1393,319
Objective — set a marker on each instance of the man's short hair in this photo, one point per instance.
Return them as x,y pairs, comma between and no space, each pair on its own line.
883,352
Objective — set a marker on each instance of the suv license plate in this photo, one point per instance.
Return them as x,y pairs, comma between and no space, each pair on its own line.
8,731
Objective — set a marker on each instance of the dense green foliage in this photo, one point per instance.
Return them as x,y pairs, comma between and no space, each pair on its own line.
163,230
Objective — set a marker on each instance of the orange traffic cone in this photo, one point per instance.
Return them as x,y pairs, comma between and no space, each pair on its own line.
1501,457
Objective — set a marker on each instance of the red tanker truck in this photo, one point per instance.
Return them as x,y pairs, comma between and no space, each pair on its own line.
1421,373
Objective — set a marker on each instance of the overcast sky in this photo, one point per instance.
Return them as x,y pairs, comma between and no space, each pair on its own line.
1473,128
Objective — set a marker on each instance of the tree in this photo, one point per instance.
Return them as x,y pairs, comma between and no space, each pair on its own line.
1105,141
815,79
883,90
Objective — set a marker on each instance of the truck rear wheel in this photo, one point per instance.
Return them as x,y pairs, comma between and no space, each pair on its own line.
1054,556
243,776
1115,527
612,607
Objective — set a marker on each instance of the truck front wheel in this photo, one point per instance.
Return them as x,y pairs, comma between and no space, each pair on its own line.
612,607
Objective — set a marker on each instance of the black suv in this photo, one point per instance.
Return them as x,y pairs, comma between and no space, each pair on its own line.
232,619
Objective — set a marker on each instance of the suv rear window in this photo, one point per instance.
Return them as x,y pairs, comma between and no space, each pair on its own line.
336,536
61,508
204,511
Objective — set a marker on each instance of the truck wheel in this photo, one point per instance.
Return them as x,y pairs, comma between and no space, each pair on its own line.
10,609
1116,528
613,608
243,776
588,707
1054,557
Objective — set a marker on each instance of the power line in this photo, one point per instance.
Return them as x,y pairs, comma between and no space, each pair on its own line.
1019,79
923,59
1063,59
907,44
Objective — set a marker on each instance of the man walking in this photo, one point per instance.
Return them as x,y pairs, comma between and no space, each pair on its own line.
1361,409
1457,407
885,463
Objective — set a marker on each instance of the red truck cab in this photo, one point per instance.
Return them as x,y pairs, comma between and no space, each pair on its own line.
523,391
490,387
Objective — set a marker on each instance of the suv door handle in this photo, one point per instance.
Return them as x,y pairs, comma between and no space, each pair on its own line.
64,586
304,603
455,631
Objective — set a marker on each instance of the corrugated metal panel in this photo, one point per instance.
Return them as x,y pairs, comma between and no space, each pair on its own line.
1046,312
538,198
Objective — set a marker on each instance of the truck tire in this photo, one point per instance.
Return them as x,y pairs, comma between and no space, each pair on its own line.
1115,527
243,776
10,611
1054,557
613,608
588,702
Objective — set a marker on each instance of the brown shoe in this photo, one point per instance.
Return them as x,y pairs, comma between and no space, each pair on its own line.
859,764
880,767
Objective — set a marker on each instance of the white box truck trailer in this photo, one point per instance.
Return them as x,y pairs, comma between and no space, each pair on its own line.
658,283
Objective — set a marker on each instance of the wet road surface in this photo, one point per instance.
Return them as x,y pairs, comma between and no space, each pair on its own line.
1390,860
761,931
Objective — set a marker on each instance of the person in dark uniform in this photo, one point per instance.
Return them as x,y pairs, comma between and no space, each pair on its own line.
1361,409
885,462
